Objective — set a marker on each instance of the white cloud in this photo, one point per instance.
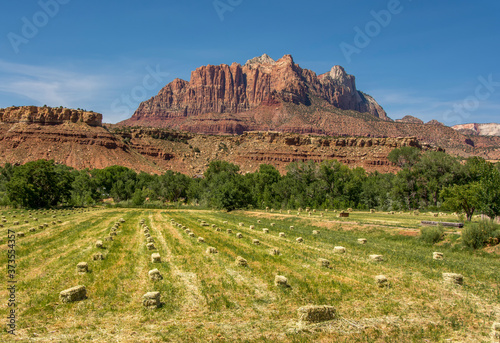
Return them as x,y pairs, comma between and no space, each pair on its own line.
50,85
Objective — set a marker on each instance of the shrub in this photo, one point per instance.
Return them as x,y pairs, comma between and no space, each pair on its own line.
431,235
478,235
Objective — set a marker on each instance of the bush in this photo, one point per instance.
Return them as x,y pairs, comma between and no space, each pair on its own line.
431,235
478,235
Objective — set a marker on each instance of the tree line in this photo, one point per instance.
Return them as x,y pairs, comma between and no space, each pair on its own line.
427,180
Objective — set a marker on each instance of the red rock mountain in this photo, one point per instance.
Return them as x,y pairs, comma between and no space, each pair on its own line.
233,99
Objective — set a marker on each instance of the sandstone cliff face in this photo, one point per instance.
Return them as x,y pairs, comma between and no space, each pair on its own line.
49,115
261,82
491,129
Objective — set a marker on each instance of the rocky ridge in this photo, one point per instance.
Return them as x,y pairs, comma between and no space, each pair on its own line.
49,116
490,129
72,141
239,98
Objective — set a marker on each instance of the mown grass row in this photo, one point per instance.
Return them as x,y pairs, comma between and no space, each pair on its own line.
206,296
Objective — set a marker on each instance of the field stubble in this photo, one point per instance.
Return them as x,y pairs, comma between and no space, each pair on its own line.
207,297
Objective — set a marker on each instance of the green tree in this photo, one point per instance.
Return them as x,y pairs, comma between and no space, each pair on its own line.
404,157
434,171
487,176
84,191
40,184
138,198
463,198
224,187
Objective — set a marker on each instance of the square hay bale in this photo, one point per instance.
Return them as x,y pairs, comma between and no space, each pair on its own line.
76,293
224,222
273,224
151,300
252,227
32,229
315,232
258,221
299,240
82,267
108,239
147,235
265,230
217,229
437,255
99,244
155,258
321,214
155,275
323,262
316,314
275,252
191,234
201,240
344,214
145,231
381,281
98,257
298,213
453,278
40,227
212,250
187,231
240,261
229,231
239,235
241,224
289,211
495,333
339,250
256,242
122,220
377,258
281,281
113,233
292,227
15,223
151,246
150,240
213,225
282,234
362,241
372,210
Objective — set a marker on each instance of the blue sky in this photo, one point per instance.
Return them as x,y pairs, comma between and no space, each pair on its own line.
431,59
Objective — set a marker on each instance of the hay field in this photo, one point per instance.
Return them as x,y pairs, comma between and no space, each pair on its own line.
207,297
